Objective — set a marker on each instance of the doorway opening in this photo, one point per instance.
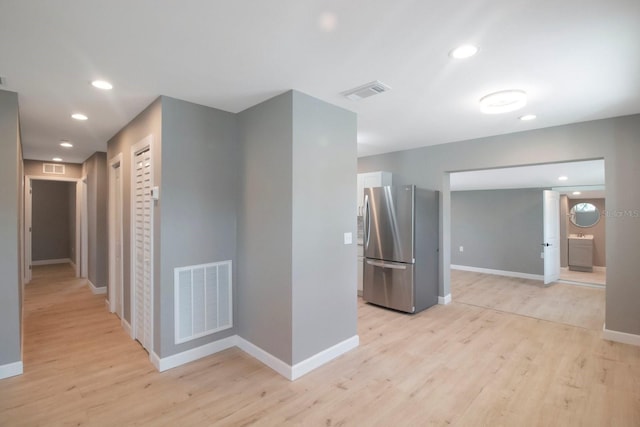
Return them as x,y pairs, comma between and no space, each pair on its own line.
499,253
53,226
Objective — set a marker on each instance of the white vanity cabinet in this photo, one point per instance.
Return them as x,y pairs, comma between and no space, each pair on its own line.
370,179
581,253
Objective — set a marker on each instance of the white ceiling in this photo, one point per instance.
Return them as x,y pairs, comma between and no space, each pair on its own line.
578,60
586,177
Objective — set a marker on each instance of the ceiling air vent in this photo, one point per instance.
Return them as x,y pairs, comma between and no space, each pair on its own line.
53,168
365,91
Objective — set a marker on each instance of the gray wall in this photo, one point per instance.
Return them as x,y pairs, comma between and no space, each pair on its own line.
499,229
324,273
34,168
95,168
10,242
148,122
198,205
598,230
264,226
51,234
617,140
297,280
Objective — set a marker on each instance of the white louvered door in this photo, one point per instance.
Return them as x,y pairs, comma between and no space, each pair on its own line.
142,244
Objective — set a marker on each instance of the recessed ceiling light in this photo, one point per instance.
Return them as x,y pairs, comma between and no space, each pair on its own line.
503,101
79,116
66,144
576,193
464,51
57,159
563,178
528,117
102,84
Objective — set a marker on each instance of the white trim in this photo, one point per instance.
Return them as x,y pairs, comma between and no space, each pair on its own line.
11,370
106,301
498,272
191,355
289,372
325,356
621,337
97,290
585,284
127,327
84,228
444,300
599,269
268,359
115,163
52,261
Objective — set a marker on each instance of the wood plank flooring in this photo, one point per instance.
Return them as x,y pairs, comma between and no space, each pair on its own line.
560,302
458,365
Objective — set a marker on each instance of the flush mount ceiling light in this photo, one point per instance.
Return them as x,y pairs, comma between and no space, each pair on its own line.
503,101
57,159
102,84
576,193
79,116
528,117
563,178
464,51
66,144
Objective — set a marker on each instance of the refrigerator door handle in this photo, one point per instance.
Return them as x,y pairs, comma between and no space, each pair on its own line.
386,265
367,221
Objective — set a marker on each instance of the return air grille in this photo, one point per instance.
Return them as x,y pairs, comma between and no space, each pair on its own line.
203,300
53,168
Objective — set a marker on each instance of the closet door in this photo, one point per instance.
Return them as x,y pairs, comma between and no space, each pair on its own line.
142,246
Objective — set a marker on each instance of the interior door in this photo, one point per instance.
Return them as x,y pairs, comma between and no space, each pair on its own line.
27,230
142,247
551,238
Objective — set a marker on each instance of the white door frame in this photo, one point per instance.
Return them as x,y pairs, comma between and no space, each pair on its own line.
84,226
145,143
551,236
28,217
115,284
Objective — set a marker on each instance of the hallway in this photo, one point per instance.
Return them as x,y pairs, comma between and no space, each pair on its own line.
455,364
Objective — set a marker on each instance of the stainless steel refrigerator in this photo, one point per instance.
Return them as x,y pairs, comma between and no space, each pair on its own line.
401,247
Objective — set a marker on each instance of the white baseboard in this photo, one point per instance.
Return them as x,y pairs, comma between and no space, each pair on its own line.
178,359
96,290
498,272
52,261
621,337
325,356
268,359
127,327
290,372
106,302
444,300
10,370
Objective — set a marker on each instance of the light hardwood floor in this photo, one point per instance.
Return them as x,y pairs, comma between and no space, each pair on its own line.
458,365
559,302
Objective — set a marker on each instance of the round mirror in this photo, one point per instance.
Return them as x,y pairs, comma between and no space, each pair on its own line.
584,215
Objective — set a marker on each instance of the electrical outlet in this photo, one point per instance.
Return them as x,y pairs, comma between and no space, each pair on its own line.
461,248
541,255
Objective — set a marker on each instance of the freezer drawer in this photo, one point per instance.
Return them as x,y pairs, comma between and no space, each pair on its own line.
389,284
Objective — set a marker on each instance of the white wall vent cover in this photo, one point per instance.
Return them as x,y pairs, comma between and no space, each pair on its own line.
203,300
373,88
53,168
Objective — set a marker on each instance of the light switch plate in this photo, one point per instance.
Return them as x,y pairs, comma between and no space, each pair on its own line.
461,248
348,238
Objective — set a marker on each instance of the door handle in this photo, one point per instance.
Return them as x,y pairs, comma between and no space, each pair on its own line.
546,244
387,265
